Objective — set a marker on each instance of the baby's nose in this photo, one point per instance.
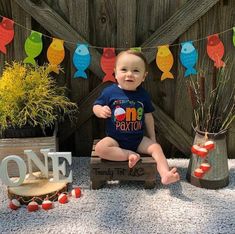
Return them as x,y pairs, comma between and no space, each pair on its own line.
129,73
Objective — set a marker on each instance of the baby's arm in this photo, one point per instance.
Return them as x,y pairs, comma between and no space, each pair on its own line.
149,123
102,111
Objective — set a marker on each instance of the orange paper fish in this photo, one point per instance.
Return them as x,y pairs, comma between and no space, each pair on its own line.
164,61
55,54
215,50
6,33
107,63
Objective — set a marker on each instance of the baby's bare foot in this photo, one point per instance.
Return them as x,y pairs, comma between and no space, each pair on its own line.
133,159
171,176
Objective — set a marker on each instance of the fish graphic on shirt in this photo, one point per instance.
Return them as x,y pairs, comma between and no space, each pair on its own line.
81,60
107,63
55,54
33,47
215,50
6,33
188,57
164,61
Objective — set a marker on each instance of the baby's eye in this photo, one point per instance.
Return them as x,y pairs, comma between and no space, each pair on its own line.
136,70
123,69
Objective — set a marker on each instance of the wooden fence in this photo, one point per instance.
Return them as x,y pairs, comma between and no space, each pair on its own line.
125,24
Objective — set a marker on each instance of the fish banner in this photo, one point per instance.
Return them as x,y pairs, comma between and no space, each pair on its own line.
107,63
33,47
215,50
55,54
188,55
81,60
164,61
6,33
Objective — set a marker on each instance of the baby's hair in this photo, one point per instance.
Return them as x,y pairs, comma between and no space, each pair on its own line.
138,54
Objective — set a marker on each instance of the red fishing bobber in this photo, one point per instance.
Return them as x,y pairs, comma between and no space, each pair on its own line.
14,204
199,172
205,166
202,152
32,206
76,192
63,198
47,204
195,149
209,145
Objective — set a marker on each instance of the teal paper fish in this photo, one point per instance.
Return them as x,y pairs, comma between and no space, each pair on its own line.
33,47
81,60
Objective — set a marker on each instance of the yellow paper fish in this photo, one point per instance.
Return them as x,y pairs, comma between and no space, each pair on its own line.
164,61
55,54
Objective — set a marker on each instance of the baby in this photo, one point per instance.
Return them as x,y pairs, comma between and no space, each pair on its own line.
127,108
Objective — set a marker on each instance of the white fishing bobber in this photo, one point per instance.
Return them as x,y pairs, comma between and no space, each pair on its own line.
32,206
205,166
14,204
47,205
209,145
63,198
202,152
195,148
198,172
76,192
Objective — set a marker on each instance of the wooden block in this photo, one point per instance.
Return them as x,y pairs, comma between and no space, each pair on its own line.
105,170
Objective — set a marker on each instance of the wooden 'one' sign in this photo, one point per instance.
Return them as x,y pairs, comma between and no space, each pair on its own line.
58,170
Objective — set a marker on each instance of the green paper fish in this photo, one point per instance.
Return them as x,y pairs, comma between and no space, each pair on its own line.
33,47
234,36
138,49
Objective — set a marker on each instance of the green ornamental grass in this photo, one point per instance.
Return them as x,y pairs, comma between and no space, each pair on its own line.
30,96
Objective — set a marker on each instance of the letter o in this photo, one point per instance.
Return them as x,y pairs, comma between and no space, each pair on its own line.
4,172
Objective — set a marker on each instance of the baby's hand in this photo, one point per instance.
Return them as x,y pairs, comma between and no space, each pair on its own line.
105,112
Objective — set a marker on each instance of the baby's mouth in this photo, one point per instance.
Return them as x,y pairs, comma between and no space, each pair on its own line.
129,80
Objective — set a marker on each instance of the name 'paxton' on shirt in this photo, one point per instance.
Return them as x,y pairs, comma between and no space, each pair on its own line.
127,115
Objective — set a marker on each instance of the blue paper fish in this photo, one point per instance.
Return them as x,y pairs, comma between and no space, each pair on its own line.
188,57
81,60
33,47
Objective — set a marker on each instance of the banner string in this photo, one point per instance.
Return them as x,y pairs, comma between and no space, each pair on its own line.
118,48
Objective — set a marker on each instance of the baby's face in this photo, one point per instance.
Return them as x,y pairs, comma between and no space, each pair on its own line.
130,71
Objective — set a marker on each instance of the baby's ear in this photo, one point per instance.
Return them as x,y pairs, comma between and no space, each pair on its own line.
145,75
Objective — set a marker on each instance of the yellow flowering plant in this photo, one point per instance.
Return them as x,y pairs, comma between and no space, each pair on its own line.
30,96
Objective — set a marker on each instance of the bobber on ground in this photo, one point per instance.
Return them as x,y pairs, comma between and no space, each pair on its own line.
63,198
32,206
47,204
76,192
14,204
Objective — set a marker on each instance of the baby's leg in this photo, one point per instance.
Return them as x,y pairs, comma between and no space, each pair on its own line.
109,149
148,146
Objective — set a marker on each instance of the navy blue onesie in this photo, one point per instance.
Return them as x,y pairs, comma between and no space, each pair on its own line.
126,124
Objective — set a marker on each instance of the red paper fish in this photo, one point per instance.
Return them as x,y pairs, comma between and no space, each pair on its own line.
6,33
107,63
215,50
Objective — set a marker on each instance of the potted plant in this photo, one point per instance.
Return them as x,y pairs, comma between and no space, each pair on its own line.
213,113
30,98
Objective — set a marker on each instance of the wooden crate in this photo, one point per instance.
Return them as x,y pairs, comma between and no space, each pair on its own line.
104,170
16,146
